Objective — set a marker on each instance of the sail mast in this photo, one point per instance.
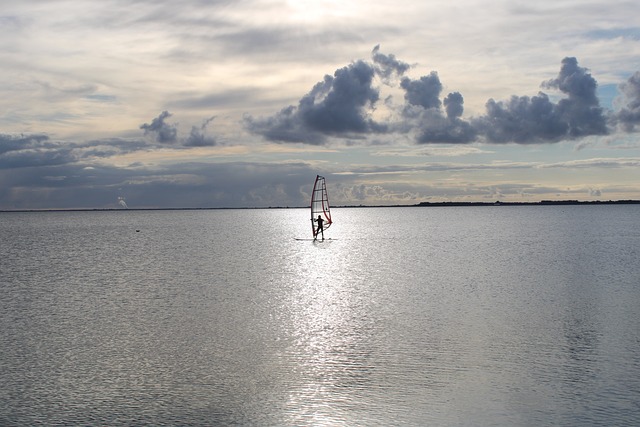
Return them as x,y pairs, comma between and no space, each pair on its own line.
320,204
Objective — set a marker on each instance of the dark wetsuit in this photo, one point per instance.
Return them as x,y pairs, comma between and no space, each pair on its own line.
320,228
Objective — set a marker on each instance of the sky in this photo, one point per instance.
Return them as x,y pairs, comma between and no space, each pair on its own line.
215,103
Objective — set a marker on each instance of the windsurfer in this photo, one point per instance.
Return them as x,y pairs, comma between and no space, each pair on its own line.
320,228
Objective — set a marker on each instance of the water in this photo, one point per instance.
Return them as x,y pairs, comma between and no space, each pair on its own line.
409,316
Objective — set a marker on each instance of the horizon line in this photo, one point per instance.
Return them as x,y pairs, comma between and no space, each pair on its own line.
420,204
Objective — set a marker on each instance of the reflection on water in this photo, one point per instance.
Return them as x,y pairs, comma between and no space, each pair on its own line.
488,316
333,338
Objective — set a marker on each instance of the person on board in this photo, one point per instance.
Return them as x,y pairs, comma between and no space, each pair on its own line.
320,228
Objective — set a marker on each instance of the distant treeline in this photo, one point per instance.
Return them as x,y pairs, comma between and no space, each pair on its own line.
543,202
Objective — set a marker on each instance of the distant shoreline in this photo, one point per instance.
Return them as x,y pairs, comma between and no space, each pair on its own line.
421,204
541,203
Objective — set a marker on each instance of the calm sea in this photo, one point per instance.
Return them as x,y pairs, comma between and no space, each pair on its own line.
472,316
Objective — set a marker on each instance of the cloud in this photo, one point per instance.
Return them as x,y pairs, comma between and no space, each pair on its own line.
424,92
453,104
605,163
581,109
222,99
338,106
164,132
387,65
629,116
9,142
521,120
527,120
423,109
431,150
109,147
39,150
341,106
601,163
22,151
198,137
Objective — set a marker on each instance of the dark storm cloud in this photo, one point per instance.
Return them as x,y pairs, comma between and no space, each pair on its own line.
629,116
336,106
163,132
